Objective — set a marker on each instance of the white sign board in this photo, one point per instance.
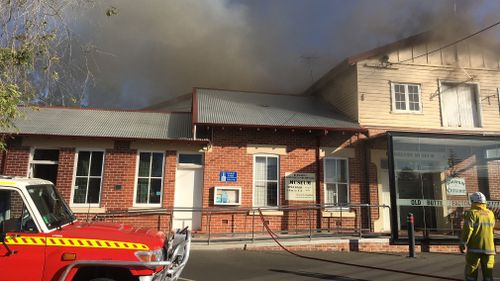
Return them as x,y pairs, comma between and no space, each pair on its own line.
456,186
300,186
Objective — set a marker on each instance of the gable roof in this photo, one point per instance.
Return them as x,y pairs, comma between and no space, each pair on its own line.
352,60
237,108
180,103
63,121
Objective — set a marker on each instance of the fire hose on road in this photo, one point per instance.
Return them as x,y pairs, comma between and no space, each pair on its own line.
274,236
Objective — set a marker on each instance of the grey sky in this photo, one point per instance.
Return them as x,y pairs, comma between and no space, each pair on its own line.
153,50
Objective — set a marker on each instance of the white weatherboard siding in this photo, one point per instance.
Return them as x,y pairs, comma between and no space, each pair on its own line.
342,93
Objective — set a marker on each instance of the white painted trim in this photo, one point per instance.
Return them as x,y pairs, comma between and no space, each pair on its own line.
478,103
90,210
407,98
190,165
42,162
278,180
338,214
325,182
237,188
73,180
136,177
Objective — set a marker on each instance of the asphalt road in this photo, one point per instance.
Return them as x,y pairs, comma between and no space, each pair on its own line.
229,265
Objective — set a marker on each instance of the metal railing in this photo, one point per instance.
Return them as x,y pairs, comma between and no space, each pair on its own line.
243,224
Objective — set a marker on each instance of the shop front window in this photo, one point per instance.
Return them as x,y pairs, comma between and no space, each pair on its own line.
434,177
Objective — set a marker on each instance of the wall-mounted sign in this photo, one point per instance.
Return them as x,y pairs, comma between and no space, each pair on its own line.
227,195
300,186
433,203
456,186
228,176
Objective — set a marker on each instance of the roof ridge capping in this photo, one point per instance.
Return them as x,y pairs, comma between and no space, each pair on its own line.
247,91
37,107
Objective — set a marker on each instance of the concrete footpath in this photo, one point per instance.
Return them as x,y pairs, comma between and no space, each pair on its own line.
345,244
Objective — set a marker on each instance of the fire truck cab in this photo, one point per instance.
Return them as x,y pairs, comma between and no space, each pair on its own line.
41,239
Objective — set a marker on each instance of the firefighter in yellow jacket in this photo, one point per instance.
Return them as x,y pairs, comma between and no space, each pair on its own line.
478,238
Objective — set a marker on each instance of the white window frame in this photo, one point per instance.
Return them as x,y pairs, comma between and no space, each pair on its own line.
278,179
190,165
73,182
336,183
42,162
478,104
149,205
407,98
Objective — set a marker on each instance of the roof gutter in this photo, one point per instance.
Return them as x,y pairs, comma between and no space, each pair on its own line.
285,127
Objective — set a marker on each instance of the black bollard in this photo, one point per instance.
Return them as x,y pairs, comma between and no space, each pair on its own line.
411,235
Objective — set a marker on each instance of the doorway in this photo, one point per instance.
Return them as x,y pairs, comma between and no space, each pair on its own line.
188,191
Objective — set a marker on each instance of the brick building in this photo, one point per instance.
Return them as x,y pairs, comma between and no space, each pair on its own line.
402,126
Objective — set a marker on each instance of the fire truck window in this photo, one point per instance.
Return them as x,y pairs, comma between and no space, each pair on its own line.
14,216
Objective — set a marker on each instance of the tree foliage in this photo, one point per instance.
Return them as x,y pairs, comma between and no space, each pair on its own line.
37,56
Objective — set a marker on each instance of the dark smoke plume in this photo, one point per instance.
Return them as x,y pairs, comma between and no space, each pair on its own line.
153,50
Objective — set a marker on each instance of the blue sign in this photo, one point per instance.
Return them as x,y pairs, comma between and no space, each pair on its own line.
228,176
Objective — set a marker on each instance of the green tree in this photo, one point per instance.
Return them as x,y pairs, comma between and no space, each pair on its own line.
37,56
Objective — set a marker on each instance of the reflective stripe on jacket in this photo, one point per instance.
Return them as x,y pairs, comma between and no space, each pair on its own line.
477,233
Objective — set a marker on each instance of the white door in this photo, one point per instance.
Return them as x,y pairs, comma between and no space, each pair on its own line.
459,105
188,195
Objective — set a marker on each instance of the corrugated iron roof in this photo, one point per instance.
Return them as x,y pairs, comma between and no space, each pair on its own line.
248,108
104,123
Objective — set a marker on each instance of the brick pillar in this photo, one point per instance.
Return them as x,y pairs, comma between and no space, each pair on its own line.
65,172
118,179
17,160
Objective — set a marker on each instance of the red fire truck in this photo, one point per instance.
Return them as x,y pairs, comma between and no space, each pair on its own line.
41,239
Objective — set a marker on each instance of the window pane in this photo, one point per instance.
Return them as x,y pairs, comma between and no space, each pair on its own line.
96,165
260,194
94,190
343,171
260,168
272,194
342,194
82,168
272,168
329,170
330,194
191,159
144,162
80,190
142,191
46,154
157,165
155,191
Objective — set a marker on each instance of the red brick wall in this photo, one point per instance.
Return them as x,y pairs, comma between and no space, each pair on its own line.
494,179
229,153
17,160
119,169
65,172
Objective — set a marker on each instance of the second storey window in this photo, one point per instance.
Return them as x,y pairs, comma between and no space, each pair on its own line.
265,186
88,177
459,105
406,98
336,181
149,179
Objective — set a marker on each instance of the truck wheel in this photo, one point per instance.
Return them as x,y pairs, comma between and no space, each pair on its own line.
102,279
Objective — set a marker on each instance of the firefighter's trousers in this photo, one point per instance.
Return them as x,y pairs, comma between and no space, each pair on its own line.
472,262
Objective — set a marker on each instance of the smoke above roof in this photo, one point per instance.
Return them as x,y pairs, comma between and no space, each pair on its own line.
155,50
